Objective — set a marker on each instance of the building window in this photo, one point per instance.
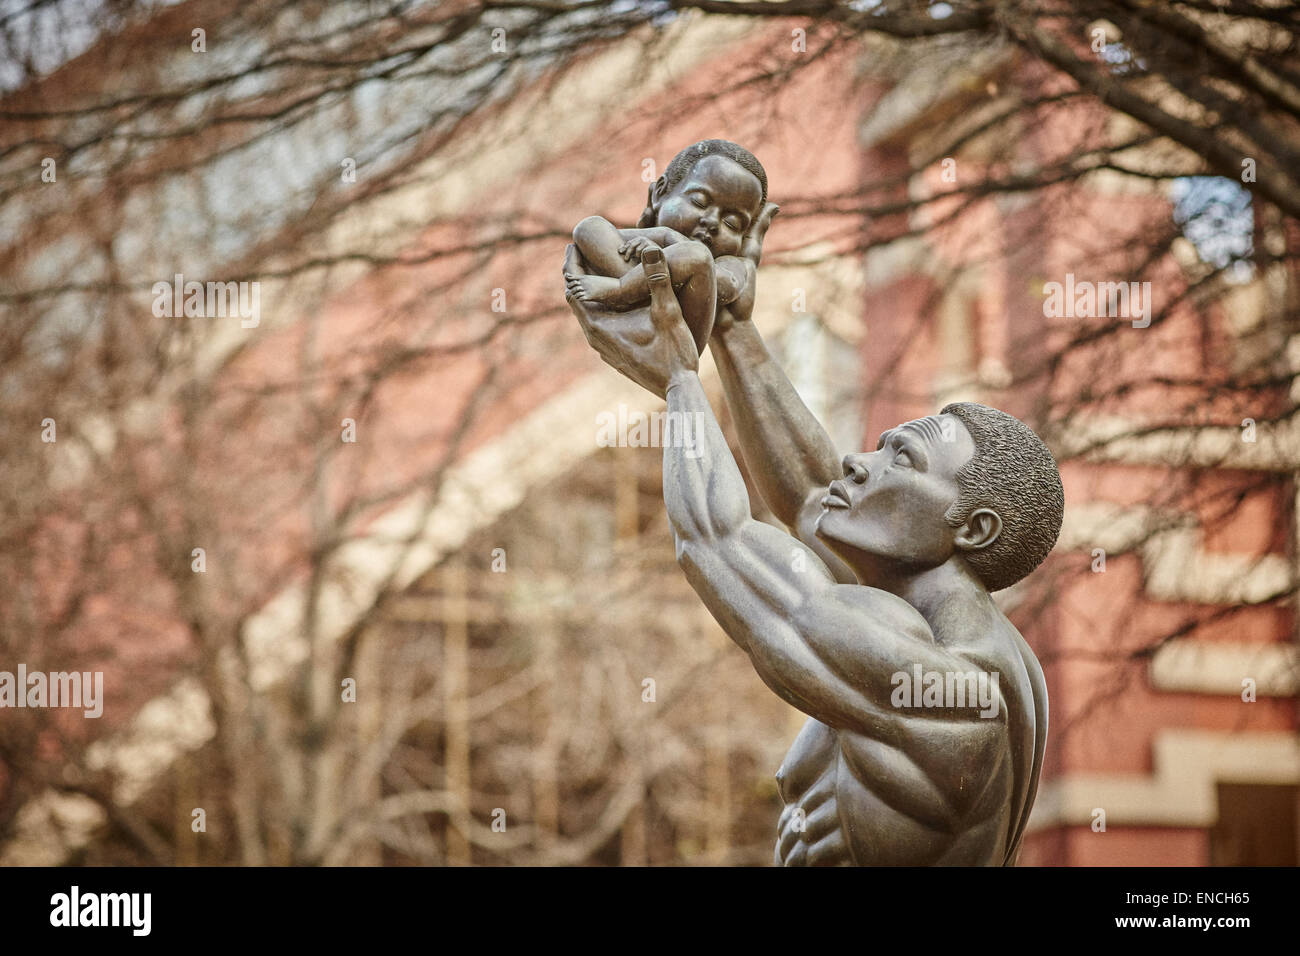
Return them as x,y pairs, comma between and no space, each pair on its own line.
1259,825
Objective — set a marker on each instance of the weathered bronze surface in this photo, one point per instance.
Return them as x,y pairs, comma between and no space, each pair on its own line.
927,709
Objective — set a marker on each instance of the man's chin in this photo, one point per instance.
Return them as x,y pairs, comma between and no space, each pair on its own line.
827,530
825,524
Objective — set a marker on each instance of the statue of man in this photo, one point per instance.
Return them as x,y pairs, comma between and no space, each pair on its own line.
873,616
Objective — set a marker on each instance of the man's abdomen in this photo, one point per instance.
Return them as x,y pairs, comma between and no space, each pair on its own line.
809,831
831,816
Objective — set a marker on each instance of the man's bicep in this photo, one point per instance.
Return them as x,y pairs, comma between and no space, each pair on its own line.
832,650
768,575
775,598
756,595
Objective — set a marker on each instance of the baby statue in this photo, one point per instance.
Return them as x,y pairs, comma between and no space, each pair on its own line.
707,213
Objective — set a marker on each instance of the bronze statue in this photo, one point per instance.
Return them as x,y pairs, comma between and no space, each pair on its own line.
928,711
700,213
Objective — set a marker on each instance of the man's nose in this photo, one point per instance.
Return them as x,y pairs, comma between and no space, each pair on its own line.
856,469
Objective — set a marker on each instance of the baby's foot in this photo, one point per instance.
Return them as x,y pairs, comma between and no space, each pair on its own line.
599,289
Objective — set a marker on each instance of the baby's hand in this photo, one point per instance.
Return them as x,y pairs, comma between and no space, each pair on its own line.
634,249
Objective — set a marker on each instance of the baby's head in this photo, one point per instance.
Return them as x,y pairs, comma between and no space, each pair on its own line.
711,191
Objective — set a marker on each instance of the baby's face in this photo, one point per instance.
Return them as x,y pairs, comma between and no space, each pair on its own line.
715,203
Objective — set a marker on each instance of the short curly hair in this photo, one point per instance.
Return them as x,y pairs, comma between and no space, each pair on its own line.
685,161
1013,474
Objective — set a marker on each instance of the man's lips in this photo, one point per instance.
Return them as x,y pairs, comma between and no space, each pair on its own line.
837,496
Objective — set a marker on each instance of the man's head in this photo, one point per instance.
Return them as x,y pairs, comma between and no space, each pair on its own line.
971,481
711,191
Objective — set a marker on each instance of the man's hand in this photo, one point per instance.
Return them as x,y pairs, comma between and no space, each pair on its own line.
673,340
741,308
646,345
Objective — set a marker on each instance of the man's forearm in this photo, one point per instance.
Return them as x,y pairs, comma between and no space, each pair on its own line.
704,492
787,450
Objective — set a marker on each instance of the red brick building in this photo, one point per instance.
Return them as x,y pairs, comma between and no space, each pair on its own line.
1162,620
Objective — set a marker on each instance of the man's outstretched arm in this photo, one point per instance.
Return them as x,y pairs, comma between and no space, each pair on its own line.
829,649
789,453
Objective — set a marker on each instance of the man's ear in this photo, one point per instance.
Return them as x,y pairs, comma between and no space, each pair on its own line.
980,530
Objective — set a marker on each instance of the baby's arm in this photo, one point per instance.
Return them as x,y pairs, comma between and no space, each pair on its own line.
659,235
611,251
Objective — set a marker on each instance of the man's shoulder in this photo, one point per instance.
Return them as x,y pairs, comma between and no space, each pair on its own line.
886,609
972,628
